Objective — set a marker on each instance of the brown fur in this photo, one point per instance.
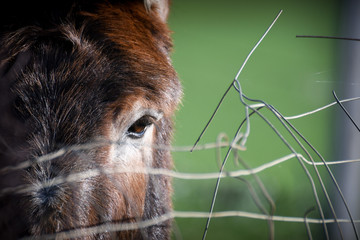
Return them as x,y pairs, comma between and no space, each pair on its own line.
77,73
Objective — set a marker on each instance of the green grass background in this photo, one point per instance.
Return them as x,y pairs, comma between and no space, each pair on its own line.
211,40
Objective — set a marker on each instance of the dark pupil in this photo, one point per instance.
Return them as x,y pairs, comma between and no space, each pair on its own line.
139,127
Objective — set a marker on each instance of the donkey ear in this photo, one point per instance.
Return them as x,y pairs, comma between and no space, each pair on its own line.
160,7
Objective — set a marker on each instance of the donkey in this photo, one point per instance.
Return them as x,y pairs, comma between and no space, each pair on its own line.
74,73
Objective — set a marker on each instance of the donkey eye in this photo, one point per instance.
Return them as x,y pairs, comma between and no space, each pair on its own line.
138,128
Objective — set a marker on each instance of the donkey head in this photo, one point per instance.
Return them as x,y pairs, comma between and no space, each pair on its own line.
87,90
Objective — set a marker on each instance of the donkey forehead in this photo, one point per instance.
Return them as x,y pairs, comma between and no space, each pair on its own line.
74,65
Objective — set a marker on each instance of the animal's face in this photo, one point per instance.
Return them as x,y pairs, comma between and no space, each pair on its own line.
100,78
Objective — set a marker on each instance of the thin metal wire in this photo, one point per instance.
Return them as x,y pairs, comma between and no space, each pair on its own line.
346,112
328,37
320,109
260,206
281,118
113,227
217,187
331,176
268,199
308,230
74,177
244,137
304,168
95,144
211,118
206,146
278,115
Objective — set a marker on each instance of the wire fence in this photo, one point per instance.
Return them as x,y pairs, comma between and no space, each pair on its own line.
308,157
75,177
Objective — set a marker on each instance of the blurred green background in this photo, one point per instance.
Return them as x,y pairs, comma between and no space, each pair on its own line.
211,40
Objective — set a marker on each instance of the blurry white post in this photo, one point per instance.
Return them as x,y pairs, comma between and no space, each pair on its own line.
347,139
